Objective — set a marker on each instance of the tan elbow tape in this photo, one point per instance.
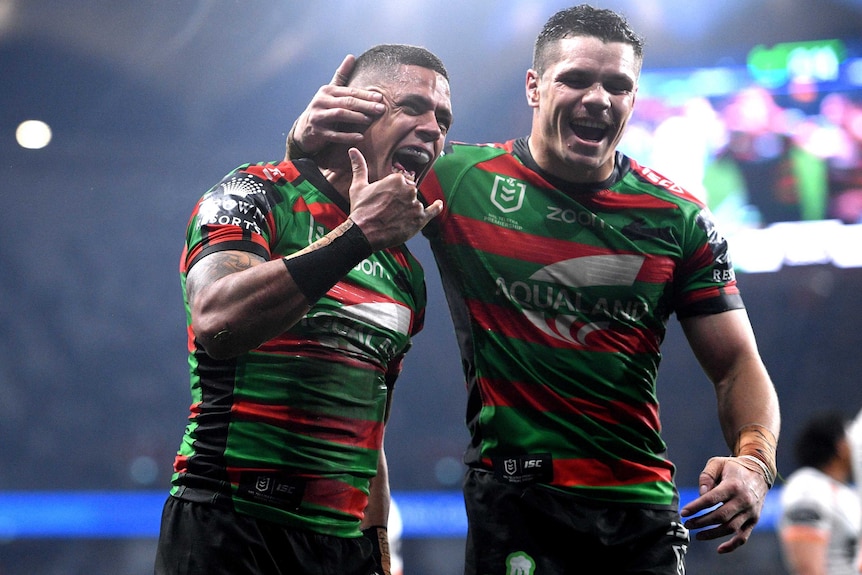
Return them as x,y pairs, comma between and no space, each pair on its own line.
757,443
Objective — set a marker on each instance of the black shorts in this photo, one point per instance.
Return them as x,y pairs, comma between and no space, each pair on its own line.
535,530
202,539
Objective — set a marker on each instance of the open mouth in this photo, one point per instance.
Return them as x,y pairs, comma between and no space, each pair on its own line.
589,130
410,161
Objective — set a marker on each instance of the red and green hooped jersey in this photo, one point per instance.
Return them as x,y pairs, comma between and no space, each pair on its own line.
560,295
291,431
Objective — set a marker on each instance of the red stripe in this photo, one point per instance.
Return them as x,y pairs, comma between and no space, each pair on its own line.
544,399
217,234
507,165
195,409
336,495
418,322
506,321
592,472
400,258
351,294
430,190
493,239
190,339
702,258
607,199
518,245
348,294
287,344
659,180
353,432
283,171
598,473
709,293
326,214
327,493
181,463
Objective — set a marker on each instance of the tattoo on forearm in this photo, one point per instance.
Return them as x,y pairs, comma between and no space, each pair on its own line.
325,240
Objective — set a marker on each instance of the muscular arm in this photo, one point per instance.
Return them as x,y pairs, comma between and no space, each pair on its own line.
725,346
238,301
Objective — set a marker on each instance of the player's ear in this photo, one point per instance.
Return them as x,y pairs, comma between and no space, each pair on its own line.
532,88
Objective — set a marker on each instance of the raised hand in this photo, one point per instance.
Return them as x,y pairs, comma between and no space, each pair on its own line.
388,211
336,114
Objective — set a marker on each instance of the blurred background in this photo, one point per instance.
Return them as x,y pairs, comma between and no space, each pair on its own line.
141,106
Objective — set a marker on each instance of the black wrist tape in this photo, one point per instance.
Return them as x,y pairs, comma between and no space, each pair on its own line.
318,270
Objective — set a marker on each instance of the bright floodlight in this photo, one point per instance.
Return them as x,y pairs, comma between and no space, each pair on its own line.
33,134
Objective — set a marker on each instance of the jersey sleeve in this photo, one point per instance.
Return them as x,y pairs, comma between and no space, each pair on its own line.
805,504
706,281
235,214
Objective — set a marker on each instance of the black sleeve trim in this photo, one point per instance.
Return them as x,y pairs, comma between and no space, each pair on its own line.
238,245
722,303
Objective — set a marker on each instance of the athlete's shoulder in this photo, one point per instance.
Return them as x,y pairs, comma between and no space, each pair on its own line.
262,179
661,185
250,190
275,172
462,153
256,174
806,483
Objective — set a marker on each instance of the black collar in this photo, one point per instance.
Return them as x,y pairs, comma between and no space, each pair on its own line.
311,172
521,149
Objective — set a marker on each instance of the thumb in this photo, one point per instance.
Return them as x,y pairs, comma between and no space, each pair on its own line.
434,210
711,473
359,167
343,73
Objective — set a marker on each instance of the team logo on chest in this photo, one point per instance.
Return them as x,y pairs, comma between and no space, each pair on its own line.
508,194
552,298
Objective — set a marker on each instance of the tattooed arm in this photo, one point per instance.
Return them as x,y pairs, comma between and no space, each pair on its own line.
238,301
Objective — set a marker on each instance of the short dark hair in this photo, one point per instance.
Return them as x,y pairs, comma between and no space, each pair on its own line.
817,442
385,58
583,20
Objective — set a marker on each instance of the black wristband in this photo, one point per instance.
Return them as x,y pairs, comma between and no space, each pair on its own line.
316,271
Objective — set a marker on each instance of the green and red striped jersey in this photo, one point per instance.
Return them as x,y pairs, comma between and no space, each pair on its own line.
560,296
291,431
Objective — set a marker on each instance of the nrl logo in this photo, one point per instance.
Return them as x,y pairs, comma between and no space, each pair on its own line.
510,466
262,483
508,194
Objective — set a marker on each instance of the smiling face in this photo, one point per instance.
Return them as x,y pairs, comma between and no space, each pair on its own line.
410,134
581,105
